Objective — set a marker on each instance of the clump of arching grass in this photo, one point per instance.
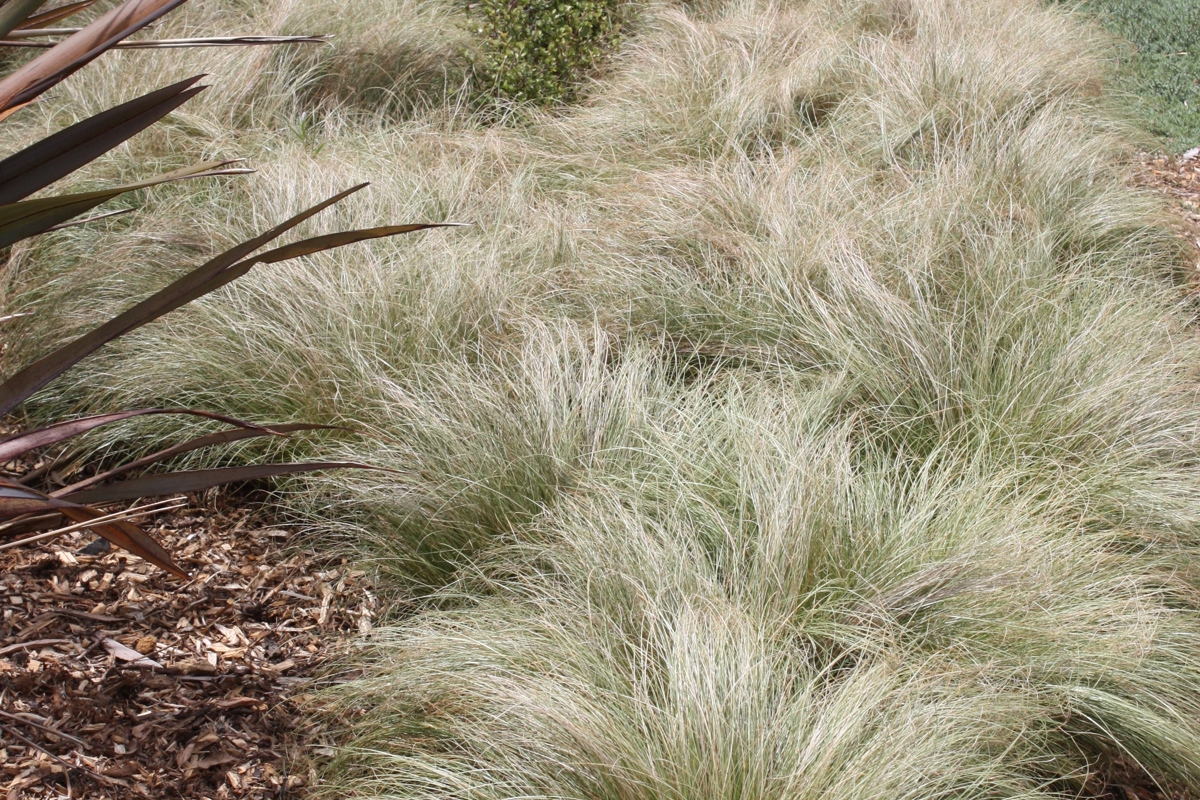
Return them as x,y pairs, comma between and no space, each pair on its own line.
810,412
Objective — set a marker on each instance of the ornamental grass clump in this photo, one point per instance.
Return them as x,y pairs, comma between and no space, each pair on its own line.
810,411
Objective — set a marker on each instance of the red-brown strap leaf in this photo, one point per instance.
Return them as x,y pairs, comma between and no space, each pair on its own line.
333,240
15,13
73,53
16,389
302,248
20,443
43,163
127,536
16,500
88,220
24,39
31,217
211,440
198,480
48,18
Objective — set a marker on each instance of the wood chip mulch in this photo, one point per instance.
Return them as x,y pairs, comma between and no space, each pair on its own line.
1177,177
119,681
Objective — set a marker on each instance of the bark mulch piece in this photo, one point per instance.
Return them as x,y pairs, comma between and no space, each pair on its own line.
1177,177
119,681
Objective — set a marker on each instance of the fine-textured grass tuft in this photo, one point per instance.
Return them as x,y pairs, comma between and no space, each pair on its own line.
809,412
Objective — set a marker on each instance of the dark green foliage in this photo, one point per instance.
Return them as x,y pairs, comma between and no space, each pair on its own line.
540,51
1164,73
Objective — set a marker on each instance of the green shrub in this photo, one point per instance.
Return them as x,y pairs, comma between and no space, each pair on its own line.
541,51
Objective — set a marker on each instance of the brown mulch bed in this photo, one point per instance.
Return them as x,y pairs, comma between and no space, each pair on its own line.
119,681
1177,177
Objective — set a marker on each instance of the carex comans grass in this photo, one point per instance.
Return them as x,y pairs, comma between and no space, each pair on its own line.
810,411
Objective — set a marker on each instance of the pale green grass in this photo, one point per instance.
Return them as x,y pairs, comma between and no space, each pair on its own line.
811,413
